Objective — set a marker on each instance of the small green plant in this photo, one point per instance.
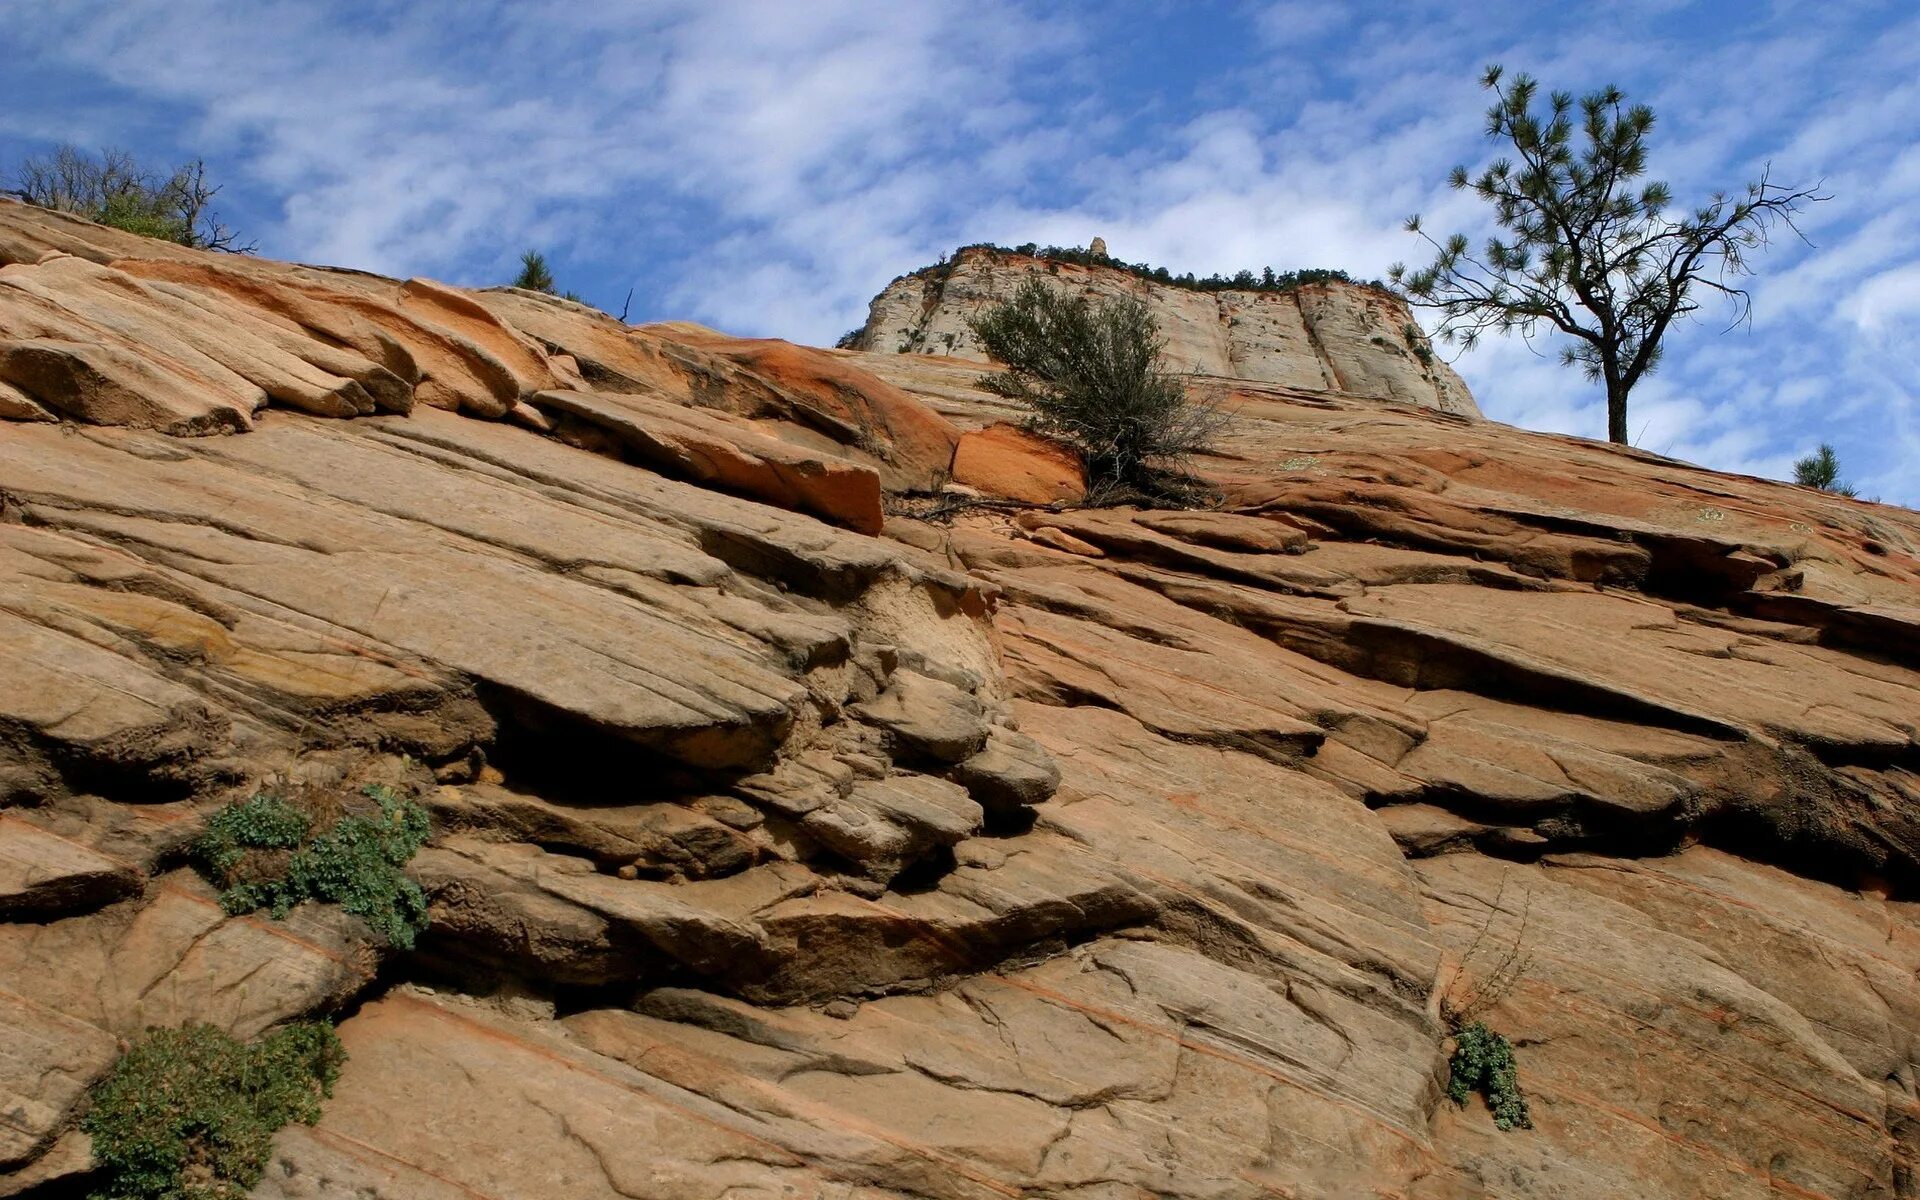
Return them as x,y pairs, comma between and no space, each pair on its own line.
1417,342
1483,1062
190,1113
1491,968
267,852
1821,469
536,276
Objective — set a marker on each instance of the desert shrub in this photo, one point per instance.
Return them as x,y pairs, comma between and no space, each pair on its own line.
536,276
272,853
1493,965
1417,342
115,189
1483,1062
190,1113
1092,376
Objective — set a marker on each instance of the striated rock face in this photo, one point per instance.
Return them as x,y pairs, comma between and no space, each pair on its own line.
1321,337
1007,851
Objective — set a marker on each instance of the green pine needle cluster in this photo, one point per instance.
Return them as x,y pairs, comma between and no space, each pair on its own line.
354,862
1483,1062
190,1113
1821,469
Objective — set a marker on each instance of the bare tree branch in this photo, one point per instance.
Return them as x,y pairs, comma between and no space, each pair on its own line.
114,189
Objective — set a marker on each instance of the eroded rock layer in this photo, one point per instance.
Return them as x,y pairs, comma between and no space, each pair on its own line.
1320,337
788,843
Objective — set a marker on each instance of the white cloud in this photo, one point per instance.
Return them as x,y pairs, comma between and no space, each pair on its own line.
1889,297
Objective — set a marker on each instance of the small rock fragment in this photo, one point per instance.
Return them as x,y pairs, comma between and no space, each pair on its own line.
928,717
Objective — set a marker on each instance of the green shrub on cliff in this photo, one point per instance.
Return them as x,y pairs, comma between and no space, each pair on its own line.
269,852
1091,374
1483,1062
1821,469
190,1113
536,276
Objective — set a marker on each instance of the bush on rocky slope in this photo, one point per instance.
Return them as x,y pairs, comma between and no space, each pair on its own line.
269,852
1483,1062
1092,375
190,1113
115,189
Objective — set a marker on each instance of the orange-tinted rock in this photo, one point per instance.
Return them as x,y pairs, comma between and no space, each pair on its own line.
729,454
917,442
16,405
1042,853
1012,464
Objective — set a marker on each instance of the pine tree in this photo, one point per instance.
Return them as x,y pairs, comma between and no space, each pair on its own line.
534,275
1821,469
1587,250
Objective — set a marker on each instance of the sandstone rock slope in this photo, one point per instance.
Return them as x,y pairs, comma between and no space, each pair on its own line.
1324,337
789,844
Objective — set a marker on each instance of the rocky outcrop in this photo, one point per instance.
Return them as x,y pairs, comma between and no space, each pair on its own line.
1015,850
1351,339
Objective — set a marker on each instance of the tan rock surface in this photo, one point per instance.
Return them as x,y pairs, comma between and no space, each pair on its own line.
1039,852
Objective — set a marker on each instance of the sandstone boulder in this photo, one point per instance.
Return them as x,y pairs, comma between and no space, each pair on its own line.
1007,462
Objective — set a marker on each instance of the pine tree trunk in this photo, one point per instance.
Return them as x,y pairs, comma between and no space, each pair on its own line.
1616,413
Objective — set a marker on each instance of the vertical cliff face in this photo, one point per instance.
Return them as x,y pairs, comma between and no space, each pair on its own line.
1322,337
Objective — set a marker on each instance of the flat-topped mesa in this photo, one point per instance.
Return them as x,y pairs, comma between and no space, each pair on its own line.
1323,335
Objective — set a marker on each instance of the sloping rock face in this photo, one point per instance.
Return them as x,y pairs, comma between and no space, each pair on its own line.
1320,337
1025,851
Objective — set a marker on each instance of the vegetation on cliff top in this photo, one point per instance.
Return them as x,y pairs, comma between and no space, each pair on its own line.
536,276
116,189
1266,280
1821,469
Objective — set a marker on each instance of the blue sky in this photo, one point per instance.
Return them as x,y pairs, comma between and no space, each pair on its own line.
765,166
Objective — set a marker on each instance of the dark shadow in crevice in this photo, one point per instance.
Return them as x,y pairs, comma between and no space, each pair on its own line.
1774,838
925,874
557,756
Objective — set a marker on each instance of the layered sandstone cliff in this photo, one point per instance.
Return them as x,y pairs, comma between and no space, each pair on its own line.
1347,338
787,843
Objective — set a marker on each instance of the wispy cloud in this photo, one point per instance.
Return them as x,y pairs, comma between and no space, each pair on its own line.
765,166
